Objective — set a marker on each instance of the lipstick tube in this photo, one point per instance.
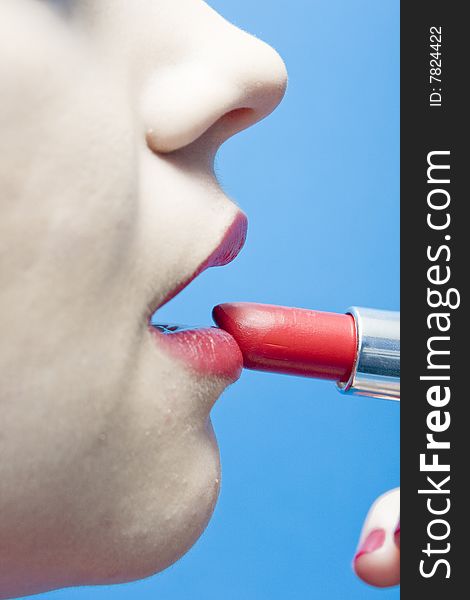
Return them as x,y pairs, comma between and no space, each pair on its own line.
376,371
359,350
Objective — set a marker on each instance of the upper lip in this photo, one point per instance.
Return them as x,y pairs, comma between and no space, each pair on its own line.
226,251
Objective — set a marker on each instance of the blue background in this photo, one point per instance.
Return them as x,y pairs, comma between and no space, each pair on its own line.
319,181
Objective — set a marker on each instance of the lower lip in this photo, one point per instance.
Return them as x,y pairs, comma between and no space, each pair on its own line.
210,352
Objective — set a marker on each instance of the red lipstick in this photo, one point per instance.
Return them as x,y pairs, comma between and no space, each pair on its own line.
359,350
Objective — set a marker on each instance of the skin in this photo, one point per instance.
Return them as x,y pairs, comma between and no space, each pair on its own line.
381,566
111,113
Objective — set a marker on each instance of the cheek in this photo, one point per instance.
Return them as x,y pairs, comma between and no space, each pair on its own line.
79,190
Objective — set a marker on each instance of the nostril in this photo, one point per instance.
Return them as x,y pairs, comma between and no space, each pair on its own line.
239,118
233,122
238,114
226,126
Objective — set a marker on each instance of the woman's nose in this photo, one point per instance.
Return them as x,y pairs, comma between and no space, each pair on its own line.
233,81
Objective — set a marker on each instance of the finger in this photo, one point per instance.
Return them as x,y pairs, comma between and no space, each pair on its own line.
377,559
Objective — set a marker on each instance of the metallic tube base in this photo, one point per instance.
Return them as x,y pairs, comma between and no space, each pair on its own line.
377,370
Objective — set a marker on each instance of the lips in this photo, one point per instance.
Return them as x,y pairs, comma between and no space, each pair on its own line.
207,351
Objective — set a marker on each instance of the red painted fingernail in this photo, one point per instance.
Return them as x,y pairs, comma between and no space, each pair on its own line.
396,535
372,542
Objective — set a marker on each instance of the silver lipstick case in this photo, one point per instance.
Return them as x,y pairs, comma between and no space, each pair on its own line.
376,372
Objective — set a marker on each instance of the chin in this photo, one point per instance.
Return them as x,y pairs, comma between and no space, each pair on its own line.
152,527
165,468
145,486
160,528
165,489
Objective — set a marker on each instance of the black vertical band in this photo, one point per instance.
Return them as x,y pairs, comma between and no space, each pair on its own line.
435,267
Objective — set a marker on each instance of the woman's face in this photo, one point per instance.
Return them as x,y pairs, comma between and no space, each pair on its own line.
111,112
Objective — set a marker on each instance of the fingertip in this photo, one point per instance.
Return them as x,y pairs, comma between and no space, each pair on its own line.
377,560
374,541
378,565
